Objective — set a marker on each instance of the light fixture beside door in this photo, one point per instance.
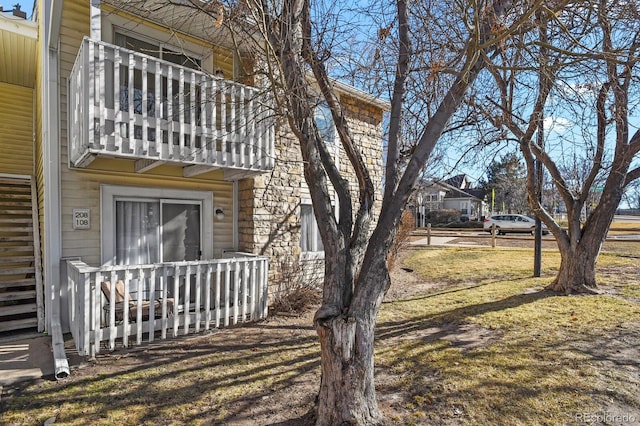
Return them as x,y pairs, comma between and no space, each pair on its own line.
219,213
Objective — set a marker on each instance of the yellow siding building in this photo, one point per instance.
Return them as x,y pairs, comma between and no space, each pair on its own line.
167,193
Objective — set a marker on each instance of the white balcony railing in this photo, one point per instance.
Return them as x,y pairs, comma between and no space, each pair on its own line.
131,105
131,304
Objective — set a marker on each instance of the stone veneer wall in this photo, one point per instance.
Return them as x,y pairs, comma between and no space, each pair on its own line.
365,121
269,204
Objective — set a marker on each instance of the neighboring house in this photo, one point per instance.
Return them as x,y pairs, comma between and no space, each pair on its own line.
455,193
169,195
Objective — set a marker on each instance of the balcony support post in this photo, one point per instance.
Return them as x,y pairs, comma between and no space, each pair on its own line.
96,25
191,171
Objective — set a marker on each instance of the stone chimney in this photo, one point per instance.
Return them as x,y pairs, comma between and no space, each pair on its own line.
19,13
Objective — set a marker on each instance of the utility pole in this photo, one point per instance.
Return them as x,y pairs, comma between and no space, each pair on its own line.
537,253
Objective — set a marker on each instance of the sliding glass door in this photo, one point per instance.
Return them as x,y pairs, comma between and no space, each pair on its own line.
154,231
181,230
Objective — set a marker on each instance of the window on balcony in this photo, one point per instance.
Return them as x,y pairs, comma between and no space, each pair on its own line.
162,52
157,50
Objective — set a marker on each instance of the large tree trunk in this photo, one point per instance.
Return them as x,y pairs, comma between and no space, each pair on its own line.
577,274
347,391
580,248
356,274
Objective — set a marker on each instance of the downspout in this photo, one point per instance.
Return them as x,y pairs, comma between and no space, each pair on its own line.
52,11
236,239
61,366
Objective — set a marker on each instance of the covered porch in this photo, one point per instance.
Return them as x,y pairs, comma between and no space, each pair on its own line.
131,304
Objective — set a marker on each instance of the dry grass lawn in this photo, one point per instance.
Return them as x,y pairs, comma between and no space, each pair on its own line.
465,337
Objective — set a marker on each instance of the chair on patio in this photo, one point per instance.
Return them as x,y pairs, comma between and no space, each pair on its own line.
133,304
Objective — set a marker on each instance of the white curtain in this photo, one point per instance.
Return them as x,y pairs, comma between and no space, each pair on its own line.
306,224
137,232
309,234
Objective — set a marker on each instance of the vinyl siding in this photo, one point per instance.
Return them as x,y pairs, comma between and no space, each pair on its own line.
81,187
16,129
18,67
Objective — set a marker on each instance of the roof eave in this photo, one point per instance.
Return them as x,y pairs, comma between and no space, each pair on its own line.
18,26
362,95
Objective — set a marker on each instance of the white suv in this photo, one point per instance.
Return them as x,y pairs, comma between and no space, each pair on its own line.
512,223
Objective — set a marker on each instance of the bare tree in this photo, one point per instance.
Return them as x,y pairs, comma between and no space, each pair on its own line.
580,71
444,46
427,56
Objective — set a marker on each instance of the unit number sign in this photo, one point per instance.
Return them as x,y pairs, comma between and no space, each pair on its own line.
81,218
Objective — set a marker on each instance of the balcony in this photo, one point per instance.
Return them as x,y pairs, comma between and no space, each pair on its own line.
125,104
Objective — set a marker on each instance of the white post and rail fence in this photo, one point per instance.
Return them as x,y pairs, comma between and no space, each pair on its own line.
135,303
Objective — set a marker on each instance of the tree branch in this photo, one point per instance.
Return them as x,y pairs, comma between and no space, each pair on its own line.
600,142
632,176
397,102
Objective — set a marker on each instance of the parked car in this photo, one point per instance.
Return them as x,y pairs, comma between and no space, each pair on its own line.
512,223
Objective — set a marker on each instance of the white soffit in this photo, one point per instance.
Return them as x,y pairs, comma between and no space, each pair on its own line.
17,50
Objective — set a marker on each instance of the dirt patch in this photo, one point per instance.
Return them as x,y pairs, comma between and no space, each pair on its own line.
406,283
463,336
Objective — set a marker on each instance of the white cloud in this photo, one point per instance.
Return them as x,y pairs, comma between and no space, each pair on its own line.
557,124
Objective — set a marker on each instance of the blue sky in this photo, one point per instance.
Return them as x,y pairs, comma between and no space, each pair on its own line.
448,165
25,5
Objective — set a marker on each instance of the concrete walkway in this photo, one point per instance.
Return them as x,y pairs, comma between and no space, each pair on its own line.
446,241
25,357
435,241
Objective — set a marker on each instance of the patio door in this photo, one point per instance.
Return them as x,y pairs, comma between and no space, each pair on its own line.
154,231
181,230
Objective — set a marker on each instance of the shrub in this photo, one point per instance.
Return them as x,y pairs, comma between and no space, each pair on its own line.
401,239
443,216
299,284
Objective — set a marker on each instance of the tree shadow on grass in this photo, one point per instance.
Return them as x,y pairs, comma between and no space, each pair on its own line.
213,378
391,329
509,383
259,373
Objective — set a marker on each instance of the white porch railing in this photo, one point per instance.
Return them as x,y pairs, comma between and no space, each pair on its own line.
131,105
129,304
